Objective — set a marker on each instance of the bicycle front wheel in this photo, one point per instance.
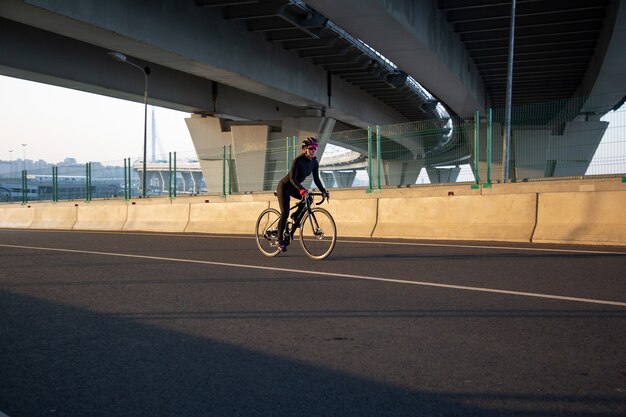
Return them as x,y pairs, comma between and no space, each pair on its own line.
266,232
318,233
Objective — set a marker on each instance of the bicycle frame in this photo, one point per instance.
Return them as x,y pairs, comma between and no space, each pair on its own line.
307,202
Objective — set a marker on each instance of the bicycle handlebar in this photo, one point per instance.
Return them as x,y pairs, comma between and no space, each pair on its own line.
318,194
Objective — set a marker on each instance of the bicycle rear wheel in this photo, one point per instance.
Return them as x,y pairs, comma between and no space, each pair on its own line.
318,234
266,232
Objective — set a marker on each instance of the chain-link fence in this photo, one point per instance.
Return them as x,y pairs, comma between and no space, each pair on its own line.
575,138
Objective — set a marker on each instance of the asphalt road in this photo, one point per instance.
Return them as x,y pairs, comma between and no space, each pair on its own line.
139,324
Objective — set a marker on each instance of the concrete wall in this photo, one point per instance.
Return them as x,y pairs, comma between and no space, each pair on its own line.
578,212
54,216
157,217
20,217
483,217
591,217
236,217
101,217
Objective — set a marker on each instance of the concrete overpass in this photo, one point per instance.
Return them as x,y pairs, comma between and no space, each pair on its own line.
269,69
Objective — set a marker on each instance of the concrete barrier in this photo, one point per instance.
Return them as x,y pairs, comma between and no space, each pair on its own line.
53,216
579,212
16,216
101,217
590,218
353,218
495,217
154,217
229,218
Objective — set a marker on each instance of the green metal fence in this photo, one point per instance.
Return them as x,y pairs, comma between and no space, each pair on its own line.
575,138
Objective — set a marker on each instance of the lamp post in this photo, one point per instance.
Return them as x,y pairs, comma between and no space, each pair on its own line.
506,144
24,156
146,71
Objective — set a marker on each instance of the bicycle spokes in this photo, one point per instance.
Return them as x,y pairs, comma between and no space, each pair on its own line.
267,232
318,234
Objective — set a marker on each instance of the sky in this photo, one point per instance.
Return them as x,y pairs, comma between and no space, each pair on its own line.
57,123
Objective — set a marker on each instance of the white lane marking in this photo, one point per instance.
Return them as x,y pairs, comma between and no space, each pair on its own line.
332,274
365,242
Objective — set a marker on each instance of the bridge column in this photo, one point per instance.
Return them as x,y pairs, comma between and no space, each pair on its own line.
210,135
153,180
258,148
442,175
187,182
556,154
344,179
540,152
162,180
400,172
165,175
197,182
328,178
183,185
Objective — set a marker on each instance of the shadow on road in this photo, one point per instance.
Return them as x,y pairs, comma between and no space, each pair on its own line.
57,360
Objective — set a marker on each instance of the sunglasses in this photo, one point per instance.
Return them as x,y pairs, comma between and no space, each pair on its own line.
312,148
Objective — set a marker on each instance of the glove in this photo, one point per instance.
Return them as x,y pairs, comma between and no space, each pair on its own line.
303,192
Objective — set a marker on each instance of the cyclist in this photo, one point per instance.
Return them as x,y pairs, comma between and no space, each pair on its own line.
291,186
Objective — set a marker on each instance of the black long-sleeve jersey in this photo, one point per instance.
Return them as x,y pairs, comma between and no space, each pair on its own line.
302,167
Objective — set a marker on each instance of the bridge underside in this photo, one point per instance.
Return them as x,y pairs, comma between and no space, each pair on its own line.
263,88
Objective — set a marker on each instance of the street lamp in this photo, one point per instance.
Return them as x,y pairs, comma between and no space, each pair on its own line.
146,71
24,156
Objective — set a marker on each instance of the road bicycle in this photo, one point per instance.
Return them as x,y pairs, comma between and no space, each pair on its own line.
317,235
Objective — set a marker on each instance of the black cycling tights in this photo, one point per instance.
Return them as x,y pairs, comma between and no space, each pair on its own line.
284,193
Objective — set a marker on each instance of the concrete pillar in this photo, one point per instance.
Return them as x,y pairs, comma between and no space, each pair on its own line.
167,182
153,181
197,178
549,153
328,178
443,175
180,175
140,174
537,151
210,135
162,179
259,152
187,181
183,186
344,179
401,172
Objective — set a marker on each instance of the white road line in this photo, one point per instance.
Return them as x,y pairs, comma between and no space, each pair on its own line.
332,274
